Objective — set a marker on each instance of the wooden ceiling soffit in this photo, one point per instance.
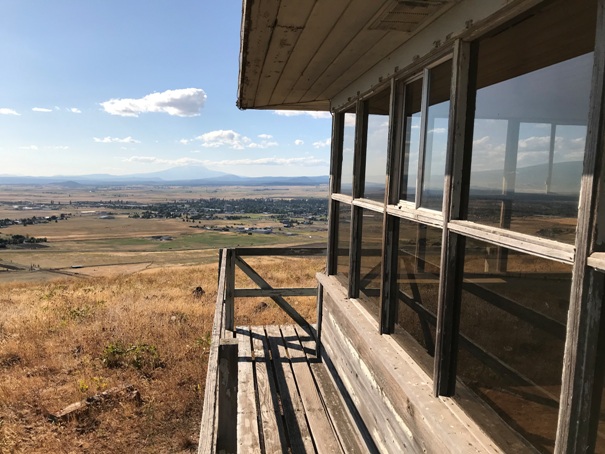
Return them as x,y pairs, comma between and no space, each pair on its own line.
291,21
312,37
259,16
349,25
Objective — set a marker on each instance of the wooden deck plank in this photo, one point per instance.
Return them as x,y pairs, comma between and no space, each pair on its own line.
248,439
294,412
272,427
324,438
348,434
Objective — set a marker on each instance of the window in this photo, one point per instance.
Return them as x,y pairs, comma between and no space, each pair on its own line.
530,124
418,284
371,255
376,147
512,336
348,152
344,233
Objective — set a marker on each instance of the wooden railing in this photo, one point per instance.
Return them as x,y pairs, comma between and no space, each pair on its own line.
218,428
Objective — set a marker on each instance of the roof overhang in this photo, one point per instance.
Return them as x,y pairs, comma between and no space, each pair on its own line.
299,54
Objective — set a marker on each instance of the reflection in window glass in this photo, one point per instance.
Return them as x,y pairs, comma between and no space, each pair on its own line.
377,142
413,103
371,255
348,151
436,136
530,123
344,232
512,329
418,281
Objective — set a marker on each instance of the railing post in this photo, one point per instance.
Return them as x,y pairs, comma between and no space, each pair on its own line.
227,396
320,304
229,291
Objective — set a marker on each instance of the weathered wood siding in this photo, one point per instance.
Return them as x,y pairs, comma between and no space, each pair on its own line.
393,395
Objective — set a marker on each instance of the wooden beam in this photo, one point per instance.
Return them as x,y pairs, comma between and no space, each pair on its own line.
280,251
271,292
587,291
248,438
207,443
281,302
457,176
226,440
229,293
338,122
359,165
390,224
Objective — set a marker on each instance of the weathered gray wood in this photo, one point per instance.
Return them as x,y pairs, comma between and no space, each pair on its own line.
347,432
457,176
338,123
264,285
319,316
294,413
229,293
587,291
324,438
226,440
269,403
390,224
248,439
280,251
521,242
396,402
288,27
359,167
208,433
270,292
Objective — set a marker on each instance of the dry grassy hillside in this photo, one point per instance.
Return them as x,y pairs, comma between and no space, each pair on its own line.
65,341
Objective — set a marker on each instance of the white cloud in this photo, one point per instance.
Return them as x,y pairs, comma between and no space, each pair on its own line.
41,109
29,147
296,113
185,102
438,131
59,147
6,111
299,142
232,139
184,141
322,143
224,138
74,110
115,140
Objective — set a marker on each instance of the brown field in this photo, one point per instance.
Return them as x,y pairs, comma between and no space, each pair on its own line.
102,305
66,340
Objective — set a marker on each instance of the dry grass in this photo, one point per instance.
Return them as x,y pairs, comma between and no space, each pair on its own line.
66,340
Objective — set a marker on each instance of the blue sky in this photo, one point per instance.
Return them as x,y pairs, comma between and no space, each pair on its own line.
136,86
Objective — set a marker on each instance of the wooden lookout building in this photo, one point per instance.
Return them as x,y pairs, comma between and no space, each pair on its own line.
460,309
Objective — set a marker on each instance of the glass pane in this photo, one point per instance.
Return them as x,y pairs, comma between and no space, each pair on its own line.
413,102
436,136
344,232
512,336
371,255
530,122
348,151
418,281
376,151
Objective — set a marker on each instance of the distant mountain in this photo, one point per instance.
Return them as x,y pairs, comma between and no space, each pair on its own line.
185,175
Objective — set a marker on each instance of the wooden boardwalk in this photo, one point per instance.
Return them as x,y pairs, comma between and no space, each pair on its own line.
287,400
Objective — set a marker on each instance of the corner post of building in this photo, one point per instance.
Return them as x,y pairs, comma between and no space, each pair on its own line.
582,371
457,176
359,167
335,179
